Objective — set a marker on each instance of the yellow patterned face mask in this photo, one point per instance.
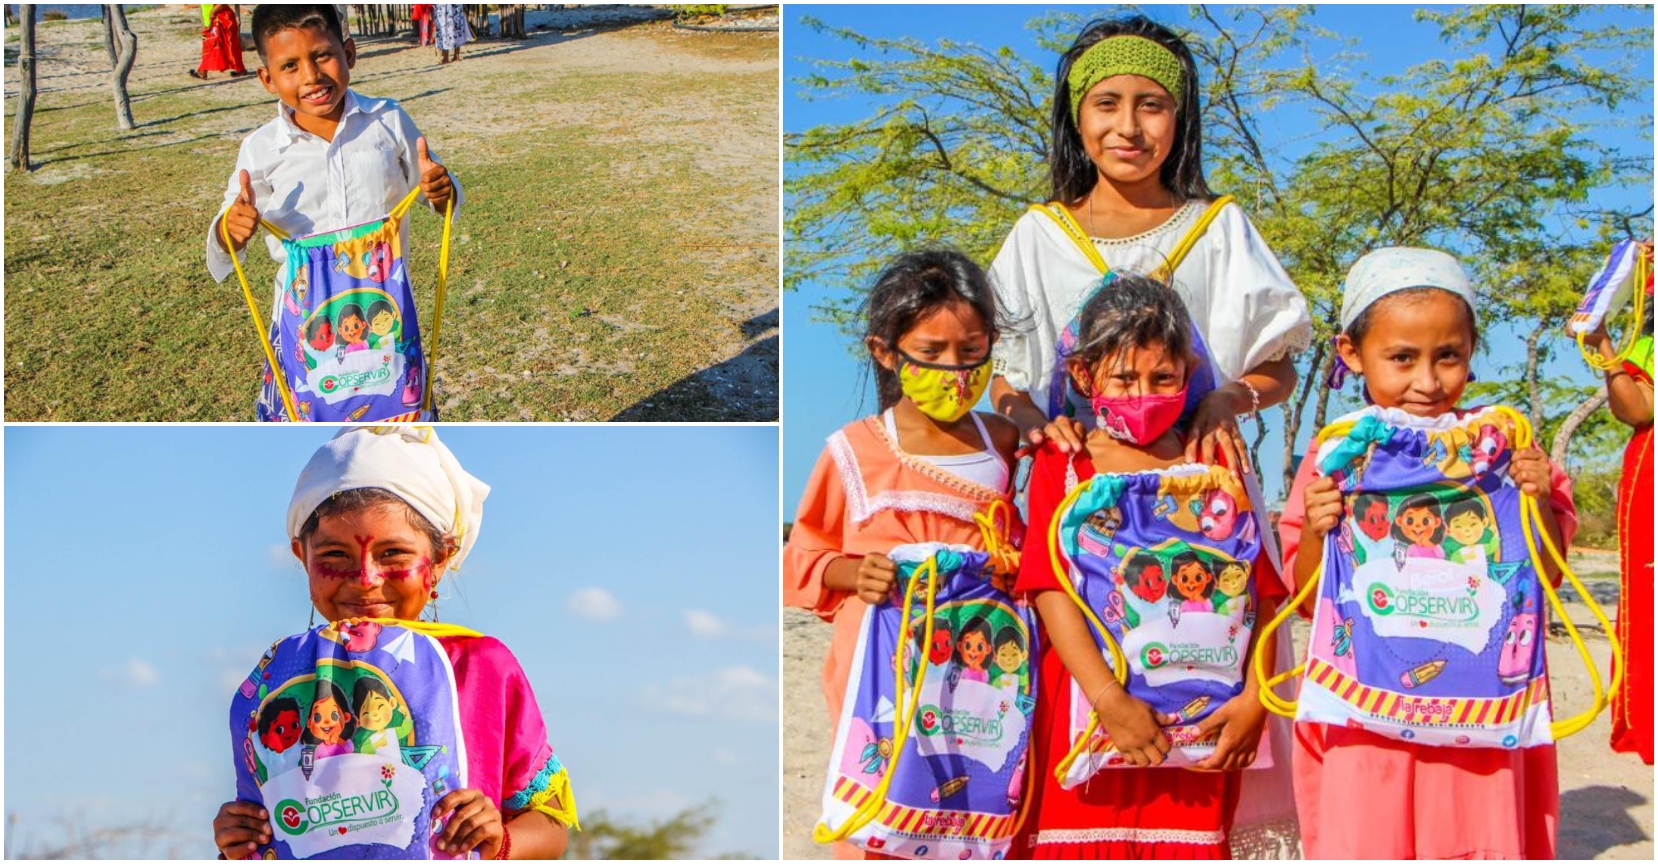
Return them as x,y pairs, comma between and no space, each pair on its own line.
944,393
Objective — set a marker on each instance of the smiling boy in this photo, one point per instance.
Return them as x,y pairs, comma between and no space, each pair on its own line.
330,159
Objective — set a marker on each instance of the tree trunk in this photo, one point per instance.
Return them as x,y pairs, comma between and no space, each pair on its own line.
1568,426
26,86
109,34
1294,410
1534,392
127,47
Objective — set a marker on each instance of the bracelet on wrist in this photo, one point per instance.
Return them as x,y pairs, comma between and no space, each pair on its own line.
505,851
1254,397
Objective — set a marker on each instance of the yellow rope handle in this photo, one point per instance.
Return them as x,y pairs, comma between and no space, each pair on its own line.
437,303
1531,523
1264,689
1632,333
430,628
1068,224
1004,557
909,699
259,320
1119,662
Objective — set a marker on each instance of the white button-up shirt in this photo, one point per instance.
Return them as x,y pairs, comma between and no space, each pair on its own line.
303,184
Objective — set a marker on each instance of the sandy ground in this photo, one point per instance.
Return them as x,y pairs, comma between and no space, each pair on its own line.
590,40
1605,797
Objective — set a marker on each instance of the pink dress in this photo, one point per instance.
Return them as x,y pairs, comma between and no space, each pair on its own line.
507,754
1360,795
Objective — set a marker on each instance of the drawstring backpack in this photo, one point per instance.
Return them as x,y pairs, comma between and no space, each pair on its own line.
930,749
1161,563
345,344
1202,376
1626,273
348,734
1429,623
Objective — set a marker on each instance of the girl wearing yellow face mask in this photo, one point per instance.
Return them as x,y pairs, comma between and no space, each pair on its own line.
916,472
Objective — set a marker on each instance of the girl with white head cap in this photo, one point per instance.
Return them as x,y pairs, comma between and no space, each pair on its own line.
378,517
1409,331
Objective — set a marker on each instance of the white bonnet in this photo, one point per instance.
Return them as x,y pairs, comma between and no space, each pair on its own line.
407,461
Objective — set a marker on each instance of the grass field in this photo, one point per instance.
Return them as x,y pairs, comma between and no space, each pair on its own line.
616,258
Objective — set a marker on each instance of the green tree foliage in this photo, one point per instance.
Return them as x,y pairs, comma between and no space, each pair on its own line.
602,836
1488,150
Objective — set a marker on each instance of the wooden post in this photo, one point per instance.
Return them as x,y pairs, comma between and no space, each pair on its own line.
127,47
19,156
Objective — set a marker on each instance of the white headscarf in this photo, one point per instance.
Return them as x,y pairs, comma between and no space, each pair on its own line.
407,461
1398,268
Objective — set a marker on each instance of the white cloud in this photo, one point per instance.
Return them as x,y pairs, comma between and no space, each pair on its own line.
595,604
732,693
704,625
134,673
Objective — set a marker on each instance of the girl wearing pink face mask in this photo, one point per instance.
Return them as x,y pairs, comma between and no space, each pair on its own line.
1131,365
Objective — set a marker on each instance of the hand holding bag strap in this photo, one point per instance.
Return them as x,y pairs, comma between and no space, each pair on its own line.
908,700
259,320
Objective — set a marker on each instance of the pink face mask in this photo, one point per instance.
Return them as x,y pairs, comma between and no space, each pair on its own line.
1139,419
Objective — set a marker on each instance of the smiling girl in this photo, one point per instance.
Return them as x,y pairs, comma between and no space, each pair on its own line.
1125,163
379,517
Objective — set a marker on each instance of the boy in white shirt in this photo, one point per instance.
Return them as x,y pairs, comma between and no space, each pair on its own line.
330,159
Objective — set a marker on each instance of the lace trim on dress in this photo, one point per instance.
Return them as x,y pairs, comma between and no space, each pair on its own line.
1128,835
861,505
1181,218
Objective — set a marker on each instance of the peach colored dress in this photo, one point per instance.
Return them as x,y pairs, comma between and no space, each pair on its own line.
864,497
1361,795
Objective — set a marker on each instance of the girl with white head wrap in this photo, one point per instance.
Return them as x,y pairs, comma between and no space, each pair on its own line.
518,802
407,461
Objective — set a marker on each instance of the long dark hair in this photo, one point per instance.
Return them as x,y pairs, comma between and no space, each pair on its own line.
1071,174
914,285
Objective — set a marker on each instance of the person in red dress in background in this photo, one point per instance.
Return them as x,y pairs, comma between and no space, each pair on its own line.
1629,394
422,15
221,44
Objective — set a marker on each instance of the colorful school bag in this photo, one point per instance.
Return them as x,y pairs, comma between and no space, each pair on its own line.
345,345
1429,623
1061,400
348,734
930,749
1626,276
1161,563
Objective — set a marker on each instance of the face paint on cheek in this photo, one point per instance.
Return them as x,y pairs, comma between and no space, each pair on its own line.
421,568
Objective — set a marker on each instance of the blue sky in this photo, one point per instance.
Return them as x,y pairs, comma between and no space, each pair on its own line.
823,382
631,570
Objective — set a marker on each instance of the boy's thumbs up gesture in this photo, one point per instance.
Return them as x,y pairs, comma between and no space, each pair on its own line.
242,219
434,178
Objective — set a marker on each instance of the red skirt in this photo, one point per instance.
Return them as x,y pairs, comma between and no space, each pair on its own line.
221,46
1122,813
1632,704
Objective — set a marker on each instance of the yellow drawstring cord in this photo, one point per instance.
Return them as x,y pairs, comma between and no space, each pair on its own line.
1004,558
1119,663
909,698
259,320
1637,315
437,313
397,213
430,628
1530,525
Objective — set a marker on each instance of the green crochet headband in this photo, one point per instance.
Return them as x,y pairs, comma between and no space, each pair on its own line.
1123,55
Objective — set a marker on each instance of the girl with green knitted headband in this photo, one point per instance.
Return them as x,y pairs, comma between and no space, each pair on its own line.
1129,198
